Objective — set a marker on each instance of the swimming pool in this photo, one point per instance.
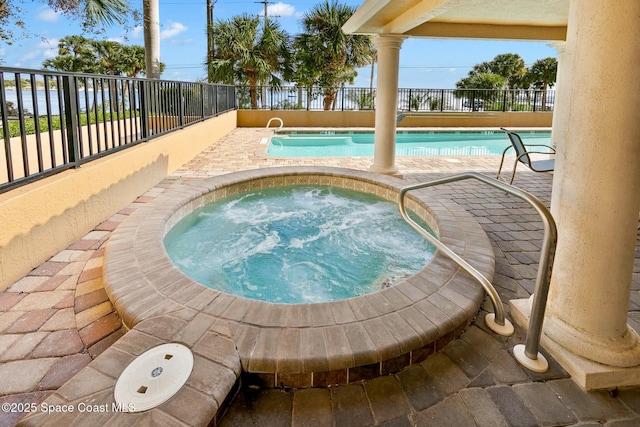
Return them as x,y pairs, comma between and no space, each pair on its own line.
408,143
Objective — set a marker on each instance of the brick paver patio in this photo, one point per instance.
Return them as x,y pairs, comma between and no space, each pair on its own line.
57,319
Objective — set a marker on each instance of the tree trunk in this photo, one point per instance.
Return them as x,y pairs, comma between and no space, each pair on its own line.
209,36
373,65
329,97
253,92
544,96
151,10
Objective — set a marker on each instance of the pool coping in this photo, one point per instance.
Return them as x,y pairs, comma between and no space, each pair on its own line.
303,344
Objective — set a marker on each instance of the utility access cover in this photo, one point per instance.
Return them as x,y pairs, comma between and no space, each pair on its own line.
154,377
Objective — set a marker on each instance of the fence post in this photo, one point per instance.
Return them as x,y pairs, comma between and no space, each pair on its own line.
180,106
69,90
144,108
5,130
216,107
535,99
202,112
233,104
504,101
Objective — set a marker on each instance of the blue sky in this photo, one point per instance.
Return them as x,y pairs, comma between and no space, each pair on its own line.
424,63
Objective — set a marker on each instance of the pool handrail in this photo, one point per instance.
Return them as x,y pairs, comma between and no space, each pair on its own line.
529,355
275,118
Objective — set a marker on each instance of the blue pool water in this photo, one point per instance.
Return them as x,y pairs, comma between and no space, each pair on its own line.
297,244
408,143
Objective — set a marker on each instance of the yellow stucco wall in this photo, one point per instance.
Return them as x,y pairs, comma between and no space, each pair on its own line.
303,118
297,118
42,218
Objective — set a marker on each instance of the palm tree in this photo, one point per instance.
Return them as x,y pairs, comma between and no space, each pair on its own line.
76,54
542,74
89,12
249,53
81,55
108,12
109,56
151,12
479,88
133,60
510,66
325,54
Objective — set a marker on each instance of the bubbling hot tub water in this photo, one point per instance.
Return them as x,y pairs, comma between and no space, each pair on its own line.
297,244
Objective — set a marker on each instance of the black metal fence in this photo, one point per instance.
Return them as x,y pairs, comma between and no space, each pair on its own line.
418,100
53,121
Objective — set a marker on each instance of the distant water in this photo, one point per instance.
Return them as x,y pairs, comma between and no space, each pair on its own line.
41,100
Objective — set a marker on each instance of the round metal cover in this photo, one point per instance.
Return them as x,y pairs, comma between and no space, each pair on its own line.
154,377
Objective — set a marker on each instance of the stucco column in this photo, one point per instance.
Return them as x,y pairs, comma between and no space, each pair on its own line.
596,187
384,154
559,127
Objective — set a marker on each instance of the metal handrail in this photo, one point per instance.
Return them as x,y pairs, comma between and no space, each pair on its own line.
272,119
530,355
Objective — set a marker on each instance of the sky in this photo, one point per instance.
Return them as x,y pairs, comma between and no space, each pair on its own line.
424,63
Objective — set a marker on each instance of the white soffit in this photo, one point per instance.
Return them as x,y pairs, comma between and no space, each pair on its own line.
522,19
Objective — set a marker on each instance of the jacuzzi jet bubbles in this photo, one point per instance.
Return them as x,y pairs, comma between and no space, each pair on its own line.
297,244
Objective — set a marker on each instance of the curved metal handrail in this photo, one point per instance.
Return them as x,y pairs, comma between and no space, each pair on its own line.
530,355
275,118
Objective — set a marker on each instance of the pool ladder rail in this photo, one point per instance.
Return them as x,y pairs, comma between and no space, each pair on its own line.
527,355
279,127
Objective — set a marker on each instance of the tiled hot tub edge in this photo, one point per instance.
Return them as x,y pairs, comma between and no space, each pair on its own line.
375,333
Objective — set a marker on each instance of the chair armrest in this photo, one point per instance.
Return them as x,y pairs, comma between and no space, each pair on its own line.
519,159
540,145
535,152
506,149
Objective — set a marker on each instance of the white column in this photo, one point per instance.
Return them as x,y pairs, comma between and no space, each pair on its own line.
384,156
559,113
596,187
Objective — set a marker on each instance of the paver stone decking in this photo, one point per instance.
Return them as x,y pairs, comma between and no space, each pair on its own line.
438,391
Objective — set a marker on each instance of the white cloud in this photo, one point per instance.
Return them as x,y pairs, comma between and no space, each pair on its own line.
280,9
45,49
173,30
47,15
181,42
137,31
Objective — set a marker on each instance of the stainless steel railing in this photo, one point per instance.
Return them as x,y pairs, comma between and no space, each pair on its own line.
528,355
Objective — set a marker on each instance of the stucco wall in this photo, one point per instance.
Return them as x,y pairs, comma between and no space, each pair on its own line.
297,118
42,218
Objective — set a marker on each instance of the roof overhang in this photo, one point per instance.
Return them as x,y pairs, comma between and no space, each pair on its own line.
472,19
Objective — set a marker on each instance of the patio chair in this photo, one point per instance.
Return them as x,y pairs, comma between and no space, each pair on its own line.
523,156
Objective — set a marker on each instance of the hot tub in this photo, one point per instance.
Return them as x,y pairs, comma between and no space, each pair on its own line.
314,344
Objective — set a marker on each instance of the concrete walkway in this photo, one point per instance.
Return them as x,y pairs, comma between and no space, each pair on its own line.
55,320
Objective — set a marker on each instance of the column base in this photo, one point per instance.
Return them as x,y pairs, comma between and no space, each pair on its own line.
393,171
586,373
